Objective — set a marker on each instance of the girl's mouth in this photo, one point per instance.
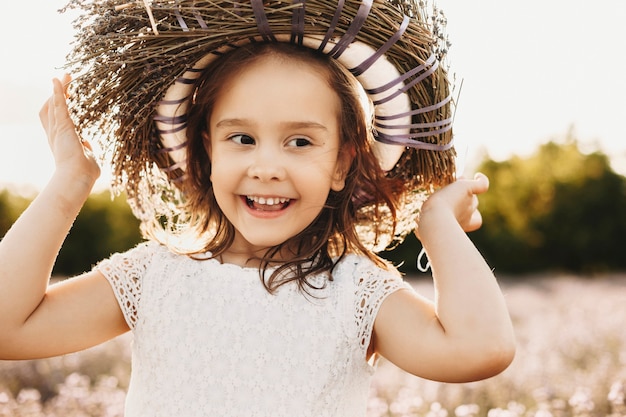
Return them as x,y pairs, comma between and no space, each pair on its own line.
267,203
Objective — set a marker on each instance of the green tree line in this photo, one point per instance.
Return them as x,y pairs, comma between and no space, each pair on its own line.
105,225
557,209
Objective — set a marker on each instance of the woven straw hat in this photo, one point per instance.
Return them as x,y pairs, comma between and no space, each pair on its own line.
137,62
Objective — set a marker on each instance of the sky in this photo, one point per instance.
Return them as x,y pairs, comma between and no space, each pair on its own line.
530,71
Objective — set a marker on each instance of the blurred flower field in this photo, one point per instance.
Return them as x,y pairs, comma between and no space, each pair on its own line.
571,361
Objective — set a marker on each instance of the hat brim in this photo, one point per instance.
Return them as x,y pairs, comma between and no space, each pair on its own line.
172,109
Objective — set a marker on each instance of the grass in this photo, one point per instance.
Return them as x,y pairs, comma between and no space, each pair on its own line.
571,361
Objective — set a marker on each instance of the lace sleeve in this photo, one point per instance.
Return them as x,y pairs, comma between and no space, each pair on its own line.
373,285
125,271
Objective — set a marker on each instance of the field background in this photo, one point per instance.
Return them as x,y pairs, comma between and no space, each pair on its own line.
571,361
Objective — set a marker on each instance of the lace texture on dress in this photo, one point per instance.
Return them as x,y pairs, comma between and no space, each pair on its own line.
373,287
125,271
209,340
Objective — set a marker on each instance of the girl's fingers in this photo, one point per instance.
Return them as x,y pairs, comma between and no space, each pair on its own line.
54,112
475,222
69,152
480,183
466,207
60,105
62,121
65,81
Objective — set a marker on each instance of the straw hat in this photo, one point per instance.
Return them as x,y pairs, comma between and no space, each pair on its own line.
137,62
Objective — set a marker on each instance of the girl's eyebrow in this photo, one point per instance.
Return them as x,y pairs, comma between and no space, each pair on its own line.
231,122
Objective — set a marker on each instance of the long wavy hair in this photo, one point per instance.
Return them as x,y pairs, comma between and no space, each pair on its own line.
332,234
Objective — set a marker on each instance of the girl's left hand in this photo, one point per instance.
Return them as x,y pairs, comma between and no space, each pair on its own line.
460,199
455,337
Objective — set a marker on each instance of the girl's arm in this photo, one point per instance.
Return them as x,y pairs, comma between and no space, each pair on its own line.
466,334
37,320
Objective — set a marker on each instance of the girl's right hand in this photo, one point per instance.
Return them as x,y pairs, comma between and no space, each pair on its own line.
72,156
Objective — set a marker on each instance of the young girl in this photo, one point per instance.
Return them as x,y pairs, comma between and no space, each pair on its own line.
265,193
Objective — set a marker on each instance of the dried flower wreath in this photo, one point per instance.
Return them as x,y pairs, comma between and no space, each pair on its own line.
136,63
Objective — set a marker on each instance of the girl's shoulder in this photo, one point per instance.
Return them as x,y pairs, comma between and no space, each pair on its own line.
131,265
371,282
143,252
364,270
126,270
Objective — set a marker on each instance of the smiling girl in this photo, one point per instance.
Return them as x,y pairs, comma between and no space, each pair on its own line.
265,153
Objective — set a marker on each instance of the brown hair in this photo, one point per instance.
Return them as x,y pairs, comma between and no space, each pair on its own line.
333,233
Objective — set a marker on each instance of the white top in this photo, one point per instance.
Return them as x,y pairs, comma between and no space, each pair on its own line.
209,340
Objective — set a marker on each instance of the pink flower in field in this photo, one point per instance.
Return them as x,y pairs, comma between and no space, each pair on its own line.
581,402
617,398
28,395
467,410
436,410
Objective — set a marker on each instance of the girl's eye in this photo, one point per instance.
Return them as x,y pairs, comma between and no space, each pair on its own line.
299,142
242,139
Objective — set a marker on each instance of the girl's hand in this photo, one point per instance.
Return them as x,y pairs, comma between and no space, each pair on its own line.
459,199
71,155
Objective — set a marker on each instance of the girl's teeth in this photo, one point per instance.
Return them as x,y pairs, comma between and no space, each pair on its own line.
268,201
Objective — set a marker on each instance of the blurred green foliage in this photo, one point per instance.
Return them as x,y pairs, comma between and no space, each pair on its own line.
105,225
11,205
558,209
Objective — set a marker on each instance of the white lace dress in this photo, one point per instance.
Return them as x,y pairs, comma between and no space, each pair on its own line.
209,340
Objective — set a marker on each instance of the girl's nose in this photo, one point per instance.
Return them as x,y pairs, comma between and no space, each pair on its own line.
267,168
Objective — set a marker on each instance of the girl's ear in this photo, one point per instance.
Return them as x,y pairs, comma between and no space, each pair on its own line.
344,160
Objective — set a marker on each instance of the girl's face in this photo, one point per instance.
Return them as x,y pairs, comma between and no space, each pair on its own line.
274,147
